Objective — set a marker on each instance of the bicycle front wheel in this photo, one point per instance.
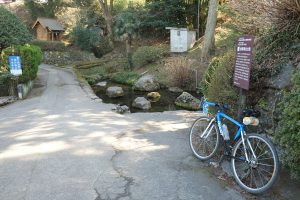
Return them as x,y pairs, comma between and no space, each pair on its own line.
204,148
260,173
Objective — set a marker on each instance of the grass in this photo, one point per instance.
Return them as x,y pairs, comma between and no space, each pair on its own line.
125,77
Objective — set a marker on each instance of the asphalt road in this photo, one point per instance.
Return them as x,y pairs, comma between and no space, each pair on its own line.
59,144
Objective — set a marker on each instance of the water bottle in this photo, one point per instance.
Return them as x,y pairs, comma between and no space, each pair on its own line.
225,132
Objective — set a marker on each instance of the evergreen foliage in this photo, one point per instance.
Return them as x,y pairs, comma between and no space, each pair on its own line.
126,27
288,131
48,9
127,22
168,13
12,31
217,84
88,34
31,58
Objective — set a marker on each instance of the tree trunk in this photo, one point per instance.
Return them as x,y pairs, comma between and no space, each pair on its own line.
107,14
209,37
128,51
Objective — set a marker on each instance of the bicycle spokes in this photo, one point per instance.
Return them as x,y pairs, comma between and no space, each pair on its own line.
204,138
259,170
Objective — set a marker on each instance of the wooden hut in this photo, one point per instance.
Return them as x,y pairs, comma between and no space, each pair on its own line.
48,29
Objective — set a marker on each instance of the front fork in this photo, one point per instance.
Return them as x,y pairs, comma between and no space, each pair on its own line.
246,143
208,129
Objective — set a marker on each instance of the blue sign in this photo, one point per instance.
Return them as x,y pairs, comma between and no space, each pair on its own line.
15,65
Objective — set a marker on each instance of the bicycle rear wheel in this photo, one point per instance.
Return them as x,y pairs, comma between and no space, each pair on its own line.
206,147
260,173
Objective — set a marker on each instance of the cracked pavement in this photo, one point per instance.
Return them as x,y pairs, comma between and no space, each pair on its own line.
62,144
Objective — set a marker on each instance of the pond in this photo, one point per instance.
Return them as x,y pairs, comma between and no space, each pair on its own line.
166,102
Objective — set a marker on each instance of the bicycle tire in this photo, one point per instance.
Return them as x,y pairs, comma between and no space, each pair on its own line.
267,164
195,138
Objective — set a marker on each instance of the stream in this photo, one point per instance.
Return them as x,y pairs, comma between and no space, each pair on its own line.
166,102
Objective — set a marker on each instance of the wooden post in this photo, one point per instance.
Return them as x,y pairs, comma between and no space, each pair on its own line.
242,103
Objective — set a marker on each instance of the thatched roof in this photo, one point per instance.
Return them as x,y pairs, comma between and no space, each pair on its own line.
51,24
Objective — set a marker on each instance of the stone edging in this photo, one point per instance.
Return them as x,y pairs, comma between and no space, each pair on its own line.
85,86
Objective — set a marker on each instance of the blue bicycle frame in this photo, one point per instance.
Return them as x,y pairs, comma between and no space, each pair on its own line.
220,114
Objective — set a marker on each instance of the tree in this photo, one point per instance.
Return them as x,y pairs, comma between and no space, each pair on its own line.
107,10
126,27
41,9
88,33
12,31
168,13
209,36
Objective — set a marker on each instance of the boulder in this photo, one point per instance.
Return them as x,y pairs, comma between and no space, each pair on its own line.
147,83
102,84
188,101
114,92
175,90
153,96
283,79
141,103
121,109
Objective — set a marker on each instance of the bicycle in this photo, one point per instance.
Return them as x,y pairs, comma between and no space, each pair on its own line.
254,160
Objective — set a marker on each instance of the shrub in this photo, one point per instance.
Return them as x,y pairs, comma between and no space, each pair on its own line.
288,131
49,45
145,55
89,39
12,31
217,84
180,73
5,78
31,58
102,48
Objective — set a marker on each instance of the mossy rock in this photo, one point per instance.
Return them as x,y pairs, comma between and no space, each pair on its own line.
188,101
153,96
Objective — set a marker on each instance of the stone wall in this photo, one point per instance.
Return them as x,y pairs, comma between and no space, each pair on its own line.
66,58
272,95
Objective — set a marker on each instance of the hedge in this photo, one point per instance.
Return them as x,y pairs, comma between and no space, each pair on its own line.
31,58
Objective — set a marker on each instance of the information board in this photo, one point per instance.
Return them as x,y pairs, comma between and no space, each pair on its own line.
243,61
15,65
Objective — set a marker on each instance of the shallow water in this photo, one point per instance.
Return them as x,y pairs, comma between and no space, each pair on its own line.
166,102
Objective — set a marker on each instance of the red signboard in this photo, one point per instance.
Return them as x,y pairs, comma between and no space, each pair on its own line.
243,61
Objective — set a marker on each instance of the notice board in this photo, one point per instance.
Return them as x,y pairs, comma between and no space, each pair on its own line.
243,61
15,65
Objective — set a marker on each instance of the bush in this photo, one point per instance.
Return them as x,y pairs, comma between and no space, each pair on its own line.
89,39
102,48
31,58
288,131
5,78
180,73
217,84
145,55
12,31
49,45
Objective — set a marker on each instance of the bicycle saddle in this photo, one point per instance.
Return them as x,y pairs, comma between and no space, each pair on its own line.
251,113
